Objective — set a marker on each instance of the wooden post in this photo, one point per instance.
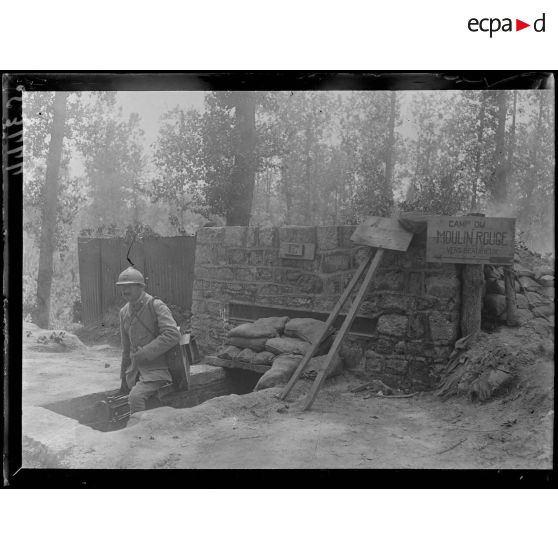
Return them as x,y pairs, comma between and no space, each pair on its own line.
331,318
472,279
511,300
341,334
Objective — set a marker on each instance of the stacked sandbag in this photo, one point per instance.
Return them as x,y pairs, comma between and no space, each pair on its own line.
286,345
307,329
247,342
267,340
534,291
285,365
280,373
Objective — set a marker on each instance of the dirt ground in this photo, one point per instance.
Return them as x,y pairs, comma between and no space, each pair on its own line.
257,430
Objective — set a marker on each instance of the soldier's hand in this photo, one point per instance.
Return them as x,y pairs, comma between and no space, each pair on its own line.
139,357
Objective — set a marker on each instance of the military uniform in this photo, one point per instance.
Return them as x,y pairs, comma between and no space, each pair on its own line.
152,334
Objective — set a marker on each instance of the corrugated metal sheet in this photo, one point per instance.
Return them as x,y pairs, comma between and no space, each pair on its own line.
166,262
169,264
89,256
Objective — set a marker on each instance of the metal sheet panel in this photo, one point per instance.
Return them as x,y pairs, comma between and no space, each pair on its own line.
89,258
110,269
169,263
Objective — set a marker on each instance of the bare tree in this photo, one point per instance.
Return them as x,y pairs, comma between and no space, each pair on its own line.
243,177
48,215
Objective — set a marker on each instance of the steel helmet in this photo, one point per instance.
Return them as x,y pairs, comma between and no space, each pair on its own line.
131,276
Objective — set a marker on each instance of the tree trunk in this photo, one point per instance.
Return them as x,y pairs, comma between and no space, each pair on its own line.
390,146
480,133
511,301
286,186
308,168
48,218
244,172
511,144
499,186
529,209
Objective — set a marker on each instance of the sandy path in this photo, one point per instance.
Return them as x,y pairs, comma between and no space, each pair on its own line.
257,430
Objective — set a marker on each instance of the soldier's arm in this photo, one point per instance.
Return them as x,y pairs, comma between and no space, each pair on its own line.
168,337
125,339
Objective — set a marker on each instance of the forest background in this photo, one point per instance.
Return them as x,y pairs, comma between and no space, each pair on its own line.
94,166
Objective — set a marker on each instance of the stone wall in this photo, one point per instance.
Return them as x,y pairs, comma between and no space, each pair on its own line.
412,307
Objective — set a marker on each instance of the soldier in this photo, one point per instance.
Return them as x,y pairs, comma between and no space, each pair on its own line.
148,331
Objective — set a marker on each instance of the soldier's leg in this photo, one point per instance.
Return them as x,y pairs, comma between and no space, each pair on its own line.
141,392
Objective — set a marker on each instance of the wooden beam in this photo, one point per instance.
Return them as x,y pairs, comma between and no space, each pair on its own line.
330,360
334,313
237,364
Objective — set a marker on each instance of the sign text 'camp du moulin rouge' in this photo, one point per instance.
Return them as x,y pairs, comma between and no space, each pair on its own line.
470,239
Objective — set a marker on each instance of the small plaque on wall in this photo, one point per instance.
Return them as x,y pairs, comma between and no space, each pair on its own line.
297,250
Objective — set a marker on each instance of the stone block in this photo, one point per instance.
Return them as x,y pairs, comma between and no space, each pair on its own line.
374,362
396,366
416,347
352,353
327,238
393,324
244,274
415,283
325,303
418,326
442,352
384,345
264,274
337,261
223,273
255,257
275,289
204,255
252,237
210,235
441,328
442,286
297,234
420,371
336,284
235,236
400,348
236,256
389,281
426,303
303,281
268,237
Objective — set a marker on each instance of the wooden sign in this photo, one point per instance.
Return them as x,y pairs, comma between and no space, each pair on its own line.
470,239
380,232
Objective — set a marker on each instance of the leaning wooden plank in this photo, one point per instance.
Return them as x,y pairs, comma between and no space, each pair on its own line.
334,313
224,363
381,232
330,360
